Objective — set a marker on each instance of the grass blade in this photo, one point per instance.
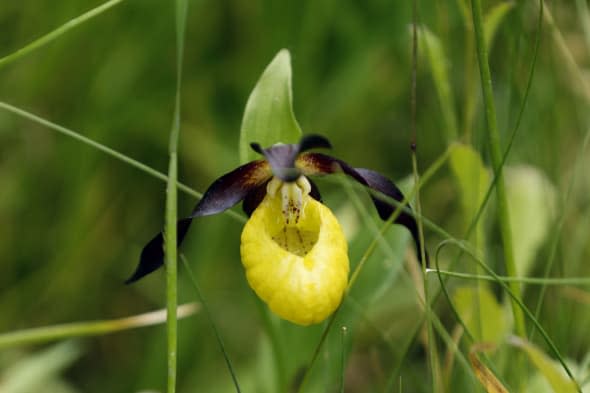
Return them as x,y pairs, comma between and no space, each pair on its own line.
92,328
433,50
220,342
111,152
523,280
496,155
47,38
170,238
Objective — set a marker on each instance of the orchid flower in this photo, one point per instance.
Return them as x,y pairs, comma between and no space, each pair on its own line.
292,246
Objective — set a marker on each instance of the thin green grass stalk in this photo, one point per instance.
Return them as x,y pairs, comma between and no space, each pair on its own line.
496,155
220,342
47,38
450,343
92,328
448,340
573,73
556,236
470,98
317,350
170,235
432,346
513,296
585,21
343,333
442,332
398,367
356,201
523,280
111,152
272,328
584,15
171,274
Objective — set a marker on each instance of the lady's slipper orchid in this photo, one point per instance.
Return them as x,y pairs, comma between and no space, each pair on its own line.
292,246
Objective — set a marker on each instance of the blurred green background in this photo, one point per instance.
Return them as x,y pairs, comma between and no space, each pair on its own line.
73,220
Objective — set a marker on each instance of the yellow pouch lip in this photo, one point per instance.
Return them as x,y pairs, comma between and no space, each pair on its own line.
301,289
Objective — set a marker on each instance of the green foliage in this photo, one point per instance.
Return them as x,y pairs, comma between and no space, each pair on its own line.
532,201
104,79
268,117
484,317
473,180
431,46
494,18
547,367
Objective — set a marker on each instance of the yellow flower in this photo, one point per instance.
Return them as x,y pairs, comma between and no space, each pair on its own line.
292,247
298,265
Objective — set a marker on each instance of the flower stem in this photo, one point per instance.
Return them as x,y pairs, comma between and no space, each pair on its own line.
170,242
496,156
171,267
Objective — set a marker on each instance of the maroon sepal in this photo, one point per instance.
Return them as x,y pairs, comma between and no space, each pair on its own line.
317,164
224,193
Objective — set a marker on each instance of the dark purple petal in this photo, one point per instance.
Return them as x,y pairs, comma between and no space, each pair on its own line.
224,193
317,164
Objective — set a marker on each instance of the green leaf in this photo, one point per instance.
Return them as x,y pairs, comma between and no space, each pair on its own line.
430,46
473,180
494,17
550,369
269,118
532,202
482,314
